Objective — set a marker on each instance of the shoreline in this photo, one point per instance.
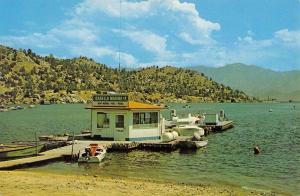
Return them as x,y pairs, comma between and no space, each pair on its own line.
41,183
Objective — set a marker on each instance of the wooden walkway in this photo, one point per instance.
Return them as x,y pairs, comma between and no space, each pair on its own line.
79,146
66,151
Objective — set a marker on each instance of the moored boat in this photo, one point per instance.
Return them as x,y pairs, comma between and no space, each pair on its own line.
188,144
9,151
93,154
31,106
189,130
54,137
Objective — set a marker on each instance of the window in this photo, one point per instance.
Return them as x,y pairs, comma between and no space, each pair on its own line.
153,117
145,118
119,121
102,120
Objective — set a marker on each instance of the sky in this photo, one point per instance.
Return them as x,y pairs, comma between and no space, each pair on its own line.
181,33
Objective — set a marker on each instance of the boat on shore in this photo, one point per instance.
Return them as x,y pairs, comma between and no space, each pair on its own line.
92,154
10,151
64,137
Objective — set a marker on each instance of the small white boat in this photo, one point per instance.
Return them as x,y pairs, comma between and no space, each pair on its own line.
93,154
31,106
189,130
19,107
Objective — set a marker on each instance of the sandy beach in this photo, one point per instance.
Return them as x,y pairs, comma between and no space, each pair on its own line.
40,183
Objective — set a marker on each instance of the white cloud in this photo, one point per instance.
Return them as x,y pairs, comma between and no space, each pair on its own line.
77,30
149,41
99,52
156,32
291,38
112,8
37,39
199,40
192,28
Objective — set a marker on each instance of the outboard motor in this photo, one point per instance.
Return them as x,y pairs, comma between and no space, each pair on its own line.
173,113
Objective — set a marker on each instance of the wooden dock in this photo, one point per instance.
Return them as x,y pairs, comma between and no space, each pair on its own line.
79,146
221,126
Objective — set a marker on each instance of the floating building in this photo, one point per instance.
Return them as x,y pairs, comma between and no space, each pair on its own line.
115,117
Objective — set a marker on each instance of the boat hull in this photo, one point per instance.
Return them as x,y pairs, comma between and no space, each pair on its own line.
91,159
192,144
19,151
189,130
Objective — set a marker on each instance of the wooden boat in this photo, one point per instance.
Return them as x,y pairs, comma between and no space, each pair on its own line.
53,138
93,154
9,151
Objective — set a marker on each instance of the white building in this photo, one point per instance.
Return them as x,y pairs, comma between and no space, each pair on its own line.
114,117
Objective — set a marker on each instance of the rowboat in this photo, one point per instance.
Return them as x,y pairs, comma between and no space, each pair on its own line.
9,151
93,154
53,138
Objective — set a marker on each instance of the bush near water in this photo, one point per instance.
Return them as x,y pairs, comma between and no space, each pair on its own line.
26,77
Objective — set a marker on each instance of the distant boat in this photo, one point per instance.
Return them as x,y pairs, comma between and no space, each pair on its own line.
31,106
187,106
19,107
3,110
270,110
8,151
93,154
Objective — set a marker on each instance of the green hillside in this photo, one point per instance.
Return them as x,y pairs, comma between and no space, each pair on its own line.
26,77
256,81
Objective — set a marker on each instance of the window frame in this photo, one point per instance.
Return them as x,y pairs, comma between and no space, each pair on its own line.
106,120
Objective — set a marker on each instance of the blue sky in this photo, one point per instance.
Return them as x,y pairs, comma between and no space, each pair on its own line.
158,32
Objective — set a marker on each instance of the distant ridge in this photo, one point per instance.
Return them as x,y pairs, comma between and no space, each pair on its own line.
256,81
26,77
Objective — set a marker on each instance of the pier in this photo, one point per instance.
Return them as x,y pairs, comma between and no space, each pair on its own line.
67,153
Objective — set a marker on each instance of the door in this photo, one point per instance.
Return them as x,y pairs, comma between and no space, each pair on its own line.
119,131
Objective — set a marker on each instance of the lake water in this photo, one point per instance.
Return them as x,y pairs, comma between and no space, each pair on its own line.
228,158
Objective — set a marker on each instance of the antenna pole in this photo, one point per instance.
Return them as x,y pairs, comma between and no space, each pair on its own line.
120,33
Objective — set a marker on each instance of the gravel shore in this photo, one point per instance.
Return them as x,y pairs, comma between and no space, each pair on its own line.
40,183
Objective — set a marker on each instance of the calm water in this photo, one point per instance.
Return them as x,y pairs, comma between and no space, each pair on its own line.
227,159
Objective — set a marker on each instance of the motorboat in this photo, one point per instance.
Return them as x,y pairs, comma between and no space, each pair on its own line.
189,130
94,153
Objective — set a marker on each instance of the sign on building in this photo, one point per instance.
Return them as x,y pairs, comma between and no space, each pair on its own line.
114,100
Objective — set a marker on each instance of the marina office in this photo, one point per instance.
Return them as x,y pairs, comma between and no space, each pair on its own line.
114,117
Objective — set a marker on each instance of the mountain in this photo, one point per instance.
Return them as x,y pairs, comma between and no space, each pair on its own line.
26,77
256,81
